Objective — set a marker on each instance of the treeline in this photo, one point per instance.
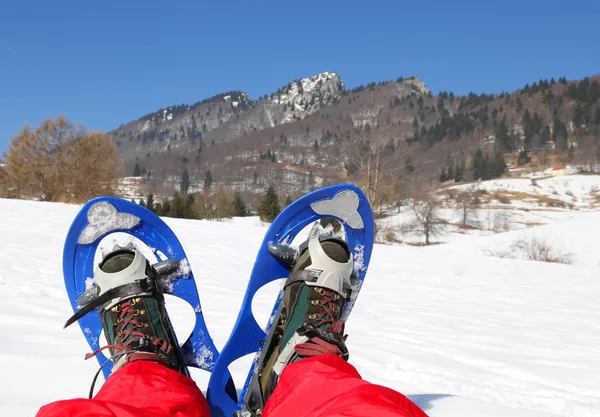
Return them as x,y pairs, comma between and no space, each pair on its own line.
479,166
216,205
576,102
587,94
238,96
209,205
60,161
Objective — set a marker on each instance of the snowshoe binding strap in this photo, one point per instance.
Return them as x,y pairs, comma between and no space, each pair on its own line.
94,298
147,285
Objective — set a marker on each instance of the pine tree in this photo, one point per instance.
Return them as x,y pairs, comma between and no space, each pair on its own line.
545,135
177,207
571,151
519,104
478,165
137,170
503,139
150,202
500,164
208,180
389,147
560,135
239,207
572,91
579,115
311,181
185,182
188,212
408,166
450,174
523,158
269,206
415,123
166,207
459,172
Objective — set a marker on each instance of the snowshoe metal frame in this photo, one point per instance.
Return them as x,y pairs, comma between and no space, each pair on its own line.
105,215
344,202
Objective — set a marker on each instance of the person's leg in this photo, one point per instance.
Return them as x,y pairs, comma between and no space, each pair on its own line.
326,385
139,389
149,377
305,372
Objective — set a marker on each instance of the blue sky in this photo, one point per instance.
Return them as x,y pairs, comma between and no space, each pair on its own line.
103,63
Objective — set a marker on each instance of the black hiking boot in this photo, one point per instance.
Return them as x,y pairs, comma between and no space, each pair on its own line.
132,311
309,321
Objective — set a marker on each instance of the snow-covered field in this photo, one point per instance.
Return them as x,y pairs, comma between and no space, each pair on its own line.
504,205
460,332
575,191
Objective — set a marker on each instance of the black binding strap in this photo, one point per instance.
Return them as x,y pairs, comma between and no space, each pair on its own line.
138,287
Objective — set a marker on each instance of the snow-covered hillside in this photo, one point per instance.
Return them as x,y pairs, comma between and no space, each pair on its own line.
564,191
502,205
460,332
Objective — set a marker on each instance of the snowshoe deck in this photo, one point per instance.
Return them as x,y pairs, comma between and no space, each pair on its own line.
344,202
103,216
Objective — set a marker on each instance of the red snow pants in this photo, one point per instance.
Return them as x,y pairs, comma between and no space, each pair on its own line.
321,386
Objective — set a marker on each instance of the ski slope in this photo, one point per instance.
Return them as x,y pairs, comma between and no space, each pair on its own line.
460,332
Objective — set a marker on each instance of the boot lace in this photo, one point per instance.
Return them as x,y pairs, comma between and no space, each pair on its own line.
326,334
127,331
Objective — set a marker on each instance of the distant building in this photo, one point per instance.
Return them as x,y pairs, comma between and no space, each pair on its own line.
559,170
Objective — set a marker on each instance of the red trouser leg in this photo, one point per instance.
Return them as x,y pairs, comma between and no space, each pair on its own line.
327,385
139,389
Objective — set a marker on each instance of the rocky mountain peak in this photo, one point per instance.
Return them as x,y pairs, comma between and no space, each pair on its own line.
305,96
417,85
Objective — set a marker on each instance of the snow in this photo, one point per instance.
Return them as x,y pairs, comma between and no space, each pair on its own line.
460,332
576,190
103,218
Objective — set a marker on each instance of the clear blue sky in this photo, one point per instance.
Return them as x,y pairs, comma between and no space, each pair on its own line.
106,62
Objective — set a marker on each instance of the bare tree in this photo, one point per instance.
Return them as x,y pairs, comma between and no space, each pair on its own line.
588,152
543,156
370,145
223,204
203,206
466,203
425,205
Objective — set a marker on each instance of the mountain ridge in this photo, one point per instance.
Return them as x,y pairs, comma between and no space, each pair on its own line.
294,137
